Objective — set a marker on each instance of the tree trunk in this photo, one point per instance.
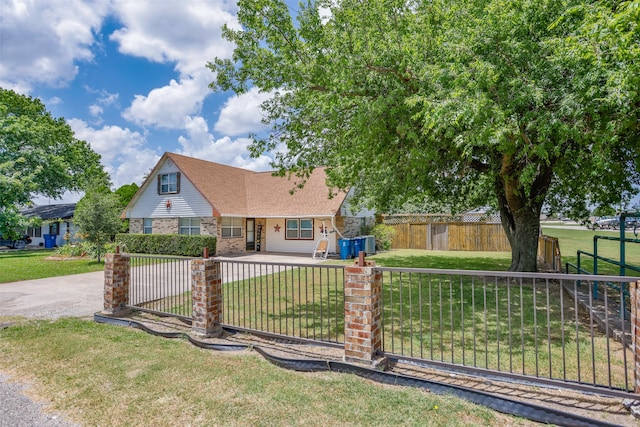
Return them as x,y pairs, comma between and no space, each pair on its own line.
520,212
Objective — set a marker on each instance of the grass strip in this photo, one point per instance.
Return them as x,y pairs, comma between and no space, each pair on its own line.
105,375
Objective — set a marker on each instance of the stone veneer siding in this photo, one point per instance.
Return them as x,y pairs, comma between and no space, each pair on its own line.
351,225
209,226
135,226
231,245
165,226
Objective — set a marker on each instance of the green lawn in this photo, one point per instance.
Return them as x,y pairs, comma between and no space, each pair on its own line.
573,240
33,264
108,375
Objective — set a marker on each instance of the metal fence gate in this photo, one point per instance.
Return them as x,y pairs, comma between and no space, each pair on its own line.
541,328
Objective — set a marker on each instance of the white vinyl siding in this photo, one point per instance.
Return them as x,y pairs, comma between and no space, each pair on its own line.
188,203
275,240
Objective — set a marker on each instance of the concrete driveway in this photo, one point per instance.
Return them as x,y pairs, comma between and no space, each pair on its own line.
78,295
82,295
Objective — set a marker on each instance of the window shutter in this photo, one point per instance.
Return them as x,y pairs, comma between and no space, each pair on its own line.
158,183
177,182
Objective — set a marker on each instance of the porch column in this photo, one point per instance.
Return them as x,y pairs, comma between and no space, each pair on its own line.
116,284
206,291
363,313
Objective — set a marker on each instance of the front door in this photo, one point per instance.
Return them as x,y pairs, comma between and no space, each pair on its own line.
251,234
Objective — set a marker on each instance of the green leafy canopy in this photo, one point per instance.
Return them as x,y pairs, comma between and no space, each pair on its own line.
39,155
516,103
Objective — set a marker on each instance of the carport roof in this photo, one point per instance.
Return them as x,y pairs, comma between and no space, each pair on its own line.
47,212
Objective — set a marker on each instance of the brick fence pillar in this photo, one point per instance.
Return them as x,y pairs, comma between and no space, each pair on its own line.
363,313
206,291
634,291
116,284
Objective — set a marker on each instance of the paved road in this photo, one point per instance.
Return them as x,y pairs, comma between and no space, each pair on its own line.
78,295
18,410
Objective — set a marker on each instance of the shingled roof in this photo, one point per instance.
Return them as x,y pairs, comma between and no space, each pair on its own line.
46,212
239,192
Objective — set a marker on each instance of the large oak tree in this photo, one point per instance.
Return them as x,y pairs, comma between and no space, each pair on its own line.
39,155
523,102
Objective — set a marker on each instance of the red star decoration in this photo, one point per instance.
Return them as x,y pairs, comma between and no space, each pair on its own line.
321,229
277,228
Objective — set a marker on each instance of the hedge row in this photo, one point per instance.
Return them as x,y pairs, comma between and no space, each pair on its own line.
166,244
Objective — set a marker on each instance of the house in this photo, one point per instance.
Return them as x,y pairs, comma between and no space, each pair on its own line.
57,220
247,211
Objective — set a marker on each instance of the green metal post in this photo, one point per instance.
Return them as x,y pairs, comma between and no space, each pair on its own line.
595,266
623,217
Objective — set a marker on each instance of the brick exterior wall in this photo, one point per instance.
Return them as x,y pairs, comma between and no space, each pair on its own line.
209,226
363,313
136,226
233,245
165,226
206,289
116,283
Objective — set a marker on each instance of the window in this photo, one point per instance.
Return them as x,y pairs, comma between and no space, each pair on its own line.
231,227
169,183
189,226
299,229
54,228
147,226
34,231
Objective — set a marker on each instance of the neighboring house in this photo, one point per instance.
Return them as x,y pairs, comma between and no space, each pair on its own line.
57,220
246,210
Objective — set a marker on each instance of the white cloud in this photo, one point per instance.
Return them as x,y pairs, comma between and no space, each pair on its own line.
242,114
95,110
200,144
57,32
169,106
125,155
187,33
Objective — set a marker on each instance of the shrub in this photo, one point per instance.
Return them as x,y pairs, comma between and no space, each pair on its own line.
384,236
166,244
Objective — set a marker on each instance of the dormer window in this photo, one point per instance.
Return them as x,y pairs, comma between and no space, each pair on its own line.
169,183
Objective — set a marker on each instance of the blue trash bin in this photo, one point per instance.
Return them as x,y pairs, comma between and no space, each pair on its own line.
49,240
344,248
358,245
352,248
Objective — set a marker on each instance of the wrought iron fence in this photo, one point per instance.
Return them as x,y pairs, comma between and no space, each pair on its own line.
540,326
303,301
160,284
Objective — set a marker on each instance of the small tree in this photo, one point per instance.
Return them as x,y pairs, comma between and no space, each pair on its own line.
97,216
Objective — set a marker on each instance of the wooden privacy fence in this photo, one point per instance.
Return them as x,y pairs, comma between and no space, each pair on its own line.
451,236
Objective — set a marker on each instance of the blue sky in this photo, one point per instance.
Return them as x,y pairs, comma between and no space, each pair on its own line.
130,78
